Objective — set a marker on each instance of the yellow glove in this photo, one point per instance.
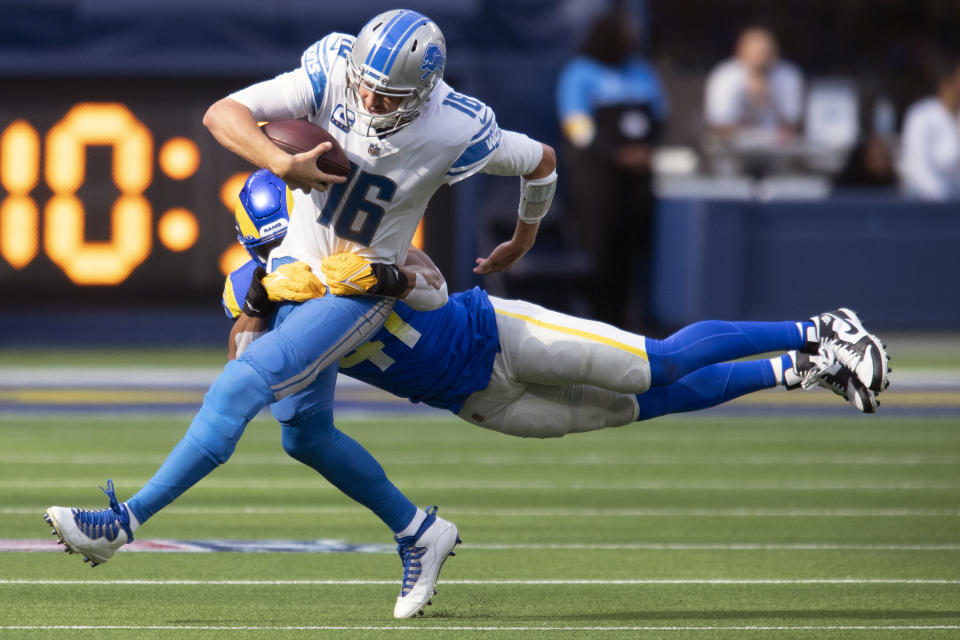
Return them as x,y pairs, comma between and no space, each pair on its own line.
348,274
294,282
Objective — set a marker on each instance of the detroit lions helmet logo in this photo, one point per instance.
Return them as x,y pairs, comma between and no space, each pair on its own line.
432,60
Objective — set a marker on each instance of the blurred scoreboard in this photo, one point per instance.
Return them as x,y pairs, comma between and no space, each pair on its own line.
113,192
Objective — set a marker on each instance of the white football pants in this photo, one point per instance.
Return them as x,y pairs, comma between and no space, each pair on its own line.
557,374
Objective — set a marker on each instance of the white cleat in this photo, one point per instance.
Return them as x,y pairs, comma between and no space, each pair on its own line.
842,333
423,555
93,534
809,371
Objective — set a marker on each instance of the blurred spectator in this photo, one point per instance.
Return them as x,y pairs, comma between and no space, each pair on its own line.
869,165
755,97
930,166
612,110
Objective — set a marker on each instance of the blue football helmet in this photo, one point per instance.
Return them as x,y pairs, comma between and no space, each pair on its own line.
400,54
262,214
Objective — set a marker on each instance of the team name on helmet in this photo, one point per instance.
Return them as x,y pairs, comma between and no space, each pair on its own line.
262,214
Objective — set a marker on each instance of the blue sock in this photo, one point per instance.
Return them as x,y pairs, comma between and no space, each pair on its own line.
707,387
712,341
234,398
349,467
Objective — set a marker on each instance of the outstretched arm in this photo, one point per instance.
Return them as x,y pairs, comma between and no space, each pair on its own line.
536,194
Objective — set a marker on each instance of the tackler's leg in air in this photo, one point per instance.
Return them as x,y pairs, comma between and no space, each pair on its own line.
557,374
544,347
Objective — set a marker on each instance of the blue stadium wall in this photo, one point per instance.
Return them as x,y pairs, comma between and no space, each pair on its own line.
896,262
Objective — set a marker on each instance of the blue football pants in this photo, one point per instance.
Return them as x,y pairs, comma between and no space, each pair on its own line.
295,365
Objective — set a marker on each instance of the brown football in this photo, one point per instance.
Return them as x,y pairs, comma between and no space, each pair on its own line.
297,136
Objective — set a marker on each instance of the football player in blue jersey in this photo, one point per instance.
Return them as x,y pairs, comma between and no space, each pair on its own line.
527,371
406,133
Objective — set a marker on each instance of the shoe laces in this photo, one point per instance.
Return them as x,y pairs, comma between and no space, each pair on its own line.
104,523
821,367
410,554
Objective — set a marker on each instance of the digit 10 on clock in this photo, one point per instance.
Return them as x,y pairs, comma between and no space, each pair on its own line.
108,124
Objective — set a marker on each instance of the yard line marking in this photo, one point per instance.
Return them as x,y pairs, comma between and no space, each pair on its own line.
683,546
78,627
625,581
509,485
159,545
538,512
709,513
501,459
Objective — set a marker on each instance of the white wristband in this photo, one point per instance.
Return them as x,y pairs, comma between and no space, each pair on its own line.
423,297
536,196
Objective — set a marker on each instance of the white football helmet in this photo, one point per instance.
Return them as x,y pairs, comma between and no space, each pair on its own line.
399,54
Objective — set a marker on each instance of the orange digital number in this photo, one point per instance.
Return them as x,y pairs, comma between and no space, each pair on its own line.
98,263
19,174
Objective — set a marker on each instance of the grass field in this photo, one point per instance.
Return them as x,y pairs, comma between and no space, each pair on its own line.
801,527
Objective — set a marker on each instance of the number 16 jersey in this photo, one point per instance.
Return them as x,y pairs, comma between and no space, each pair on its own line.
375,213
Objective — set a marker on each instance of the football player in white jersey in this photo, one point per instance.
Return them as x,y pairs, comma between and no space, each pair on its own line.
405,130
406,133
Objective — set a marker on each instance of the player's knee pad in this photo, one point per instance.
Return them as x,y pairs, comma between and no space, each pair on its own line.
233,400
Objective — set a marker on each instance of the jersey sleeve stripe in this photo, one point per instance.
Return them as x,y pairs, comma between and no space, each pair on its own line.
476,153
315,71
483,131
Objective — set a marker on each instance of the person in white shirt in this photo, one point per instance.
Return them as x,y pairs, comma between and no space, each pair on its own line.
755,93
930,164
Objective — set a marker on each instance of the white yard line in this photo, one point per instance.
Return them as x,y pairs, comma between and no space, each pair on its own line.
310,484
503,460
315,546
694,512
814,628
683,546
652,581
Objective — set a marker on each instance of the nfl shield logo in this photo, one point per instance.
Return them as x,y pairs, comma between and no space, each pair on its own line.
374,150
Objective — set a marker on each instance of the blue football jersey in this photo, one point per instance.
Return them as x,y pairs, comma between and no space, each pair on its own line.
436,357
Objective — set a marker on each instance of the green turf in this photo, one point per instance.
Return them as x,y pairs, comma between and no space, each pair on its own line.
856,483
908,351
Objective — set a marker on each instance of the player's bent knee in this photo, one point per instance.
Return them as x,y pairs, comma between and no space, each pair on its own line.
304,438
233,400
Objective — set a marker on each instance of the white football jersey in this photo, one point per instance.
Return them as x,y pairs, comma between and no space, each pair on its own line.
376,212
